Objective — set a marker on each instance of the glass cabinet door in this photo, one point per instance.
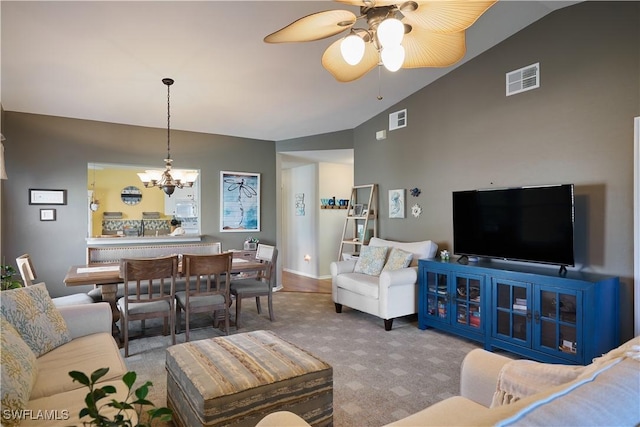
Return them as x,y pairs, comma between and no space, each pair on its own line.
468,300
556,314
512,316
437,295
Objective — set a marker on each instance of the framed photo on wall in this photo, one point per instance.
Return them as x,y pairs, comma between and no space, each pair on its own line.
239,201
47,214
396,203
47,197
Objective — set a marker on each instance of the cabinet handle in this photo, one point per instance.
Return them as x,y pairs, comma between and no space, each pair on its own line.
537,317
528,316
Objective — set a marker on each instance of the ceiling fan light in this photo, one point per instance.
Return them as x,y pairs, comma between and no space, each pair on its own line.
393,57
352,48
390,32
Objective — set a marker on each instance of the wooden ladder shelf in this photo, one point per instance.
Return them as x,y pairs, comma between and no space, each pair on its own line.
356,231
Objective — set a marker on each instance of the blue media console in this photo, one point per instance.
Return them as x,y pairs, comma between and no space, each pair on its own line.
537,312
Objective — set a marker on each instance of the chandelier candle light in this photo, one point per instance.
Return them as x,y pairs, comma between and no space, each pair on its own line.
168,180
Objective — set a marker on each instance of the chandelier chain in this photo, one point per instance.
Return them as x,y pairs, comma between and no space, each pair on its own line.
168,180
168,121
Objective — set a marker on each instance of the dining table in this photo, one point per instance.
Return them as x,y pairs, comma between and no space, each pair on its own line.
107,277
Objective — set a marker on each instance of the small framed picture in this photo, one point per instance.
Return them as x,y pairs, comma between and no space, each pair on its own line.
357,210
396,203
47,197
47,214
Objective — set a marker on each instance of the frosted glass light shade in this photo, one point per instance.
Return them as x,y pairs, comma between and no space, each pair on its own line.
144,177
390,32
177,175
190,177
393,57
352,49
150,176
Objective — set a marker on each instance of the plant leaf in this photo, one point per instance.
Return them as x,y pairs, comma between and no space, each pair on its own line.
97,374
164,414
129,378
109,389
80,377
142,391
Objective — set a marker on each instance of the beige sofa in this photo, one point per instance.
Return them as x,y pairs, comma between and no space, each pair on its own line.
54,399
604,393
388,294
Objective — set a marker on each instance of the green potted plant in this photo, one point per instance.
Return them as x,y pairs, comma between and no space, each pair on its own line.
7,273
135,401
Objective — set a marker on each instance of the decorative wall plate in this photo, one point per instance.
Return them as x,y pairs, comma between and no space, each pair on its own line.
131,195
416,210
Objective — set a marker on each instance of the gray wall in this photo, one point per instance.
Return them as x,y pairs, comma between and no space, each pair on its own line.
52,152
463,133
326,141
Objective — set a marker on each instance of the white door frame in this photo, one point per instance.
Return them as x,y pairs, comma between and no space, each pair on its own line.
636,225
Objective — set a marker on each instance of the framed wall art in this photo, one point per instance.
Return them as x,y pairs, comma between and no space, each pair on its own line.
299,204
396,203
47,214
239,201
47,197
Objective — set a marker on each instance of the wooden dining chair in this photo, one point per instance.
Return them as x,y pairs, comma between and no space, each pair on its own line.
259,286
152,286
204,291
28,274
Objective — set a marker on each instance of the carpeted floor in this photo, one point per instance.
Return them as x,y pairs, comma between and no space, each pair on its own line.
379,376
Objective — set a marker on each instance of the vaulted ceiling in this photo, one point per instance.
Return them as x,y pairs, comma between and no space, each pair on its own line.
104,60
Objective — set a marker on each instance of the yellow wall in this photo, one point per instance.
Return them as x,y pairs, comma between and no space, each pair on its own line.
108,186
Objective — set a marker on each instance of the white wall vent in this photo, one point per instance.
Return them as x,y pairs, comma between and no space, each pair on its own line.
398,119
524,79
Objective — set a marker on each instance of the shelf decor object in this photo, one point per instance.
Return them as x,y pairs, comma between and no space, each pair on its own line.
47,197
239,201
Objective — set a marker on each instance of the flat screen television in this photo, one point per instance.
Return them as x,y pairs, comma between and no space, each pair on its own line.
532,224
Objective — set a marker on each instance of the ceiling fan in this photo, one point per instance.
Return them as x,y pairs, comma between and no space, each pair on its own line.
399,34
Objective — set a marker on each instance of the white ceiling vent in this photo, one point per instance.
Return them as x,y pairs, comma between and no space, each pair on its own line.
398,119
524,79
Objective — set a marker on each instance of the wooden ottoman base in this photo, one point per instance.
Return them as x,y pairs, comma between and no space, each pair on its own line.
239,379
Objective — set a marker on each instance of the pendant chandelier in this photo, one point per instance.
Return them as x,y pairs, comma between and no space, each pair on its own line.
168,180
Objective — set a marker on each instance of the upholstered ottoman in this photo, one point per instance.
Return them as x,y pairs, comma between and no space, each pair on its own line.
238,379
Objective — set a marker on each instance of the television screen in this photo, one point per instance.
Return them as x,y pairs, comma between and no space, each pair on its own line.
521,224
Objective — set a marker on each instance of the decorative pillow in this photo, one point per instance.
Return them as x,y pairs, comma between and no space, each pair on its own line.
397,259
19,372
31,312
371,260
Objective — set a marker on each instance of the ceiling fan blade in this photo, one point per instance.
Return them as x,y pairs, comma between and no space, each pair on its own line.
333,62
316,26
446,16
428,49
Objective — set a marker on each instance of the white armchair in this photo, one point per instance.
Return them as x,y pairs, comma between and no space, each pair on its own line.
391,294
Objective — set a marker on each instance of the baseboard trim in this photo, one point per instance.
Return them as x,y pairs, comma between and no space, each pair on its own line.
311,276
